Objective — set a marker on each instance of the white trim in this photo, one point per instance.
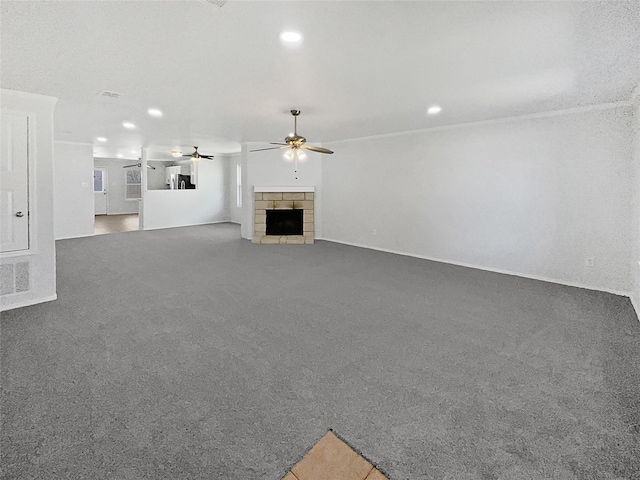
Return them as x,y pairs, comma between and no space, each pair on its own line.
66,142
487,269
77,236
294,189
29,96
186,225
636,304
17,253
494,121
27,303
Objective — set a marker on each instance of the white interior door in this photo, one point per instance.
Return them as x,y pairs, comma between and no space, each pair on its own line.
100,190
14,182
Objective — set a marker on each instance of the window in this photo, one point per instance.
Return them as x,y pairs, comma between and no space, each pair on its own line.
133,184
238,185
98,181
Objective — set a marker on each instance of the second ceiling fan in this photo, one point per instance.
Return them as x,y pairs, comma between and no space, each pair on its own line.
197,155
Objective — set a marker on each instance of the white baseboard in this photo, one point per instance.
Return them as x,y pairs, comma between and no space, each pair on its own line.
27,303
487,269
186,225
76,236
636,304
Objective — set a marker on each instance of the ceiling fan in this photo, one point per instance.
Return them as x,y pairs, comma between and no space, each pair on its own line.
197,156
295,141
139,165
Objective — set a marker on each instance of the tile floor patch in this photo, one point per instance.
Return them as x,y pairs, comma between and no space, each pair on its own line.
332,459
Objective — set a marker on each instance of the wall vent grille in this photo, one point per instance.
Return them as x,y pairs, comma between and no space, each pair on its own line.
217,3
14,278
108,94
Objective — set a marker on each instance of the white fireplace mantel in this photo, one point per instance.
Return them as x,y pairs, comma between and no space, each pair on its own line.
284,189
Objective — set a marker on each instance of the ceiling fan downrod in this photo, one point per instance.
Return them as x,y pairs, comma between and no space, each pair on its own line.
295,114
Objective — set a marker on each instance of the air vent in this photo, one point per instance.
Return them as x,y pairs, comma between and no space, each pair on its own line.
106,93
217,3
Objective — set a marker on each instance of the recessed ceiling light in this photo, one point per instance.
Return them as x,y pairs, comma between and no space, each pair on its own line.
101,139
290,37
119,155
154,112
128,125
134,151
434,110
176,153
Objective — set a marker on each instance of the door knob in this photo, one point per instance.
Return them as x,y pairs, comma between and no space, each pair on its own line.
19,214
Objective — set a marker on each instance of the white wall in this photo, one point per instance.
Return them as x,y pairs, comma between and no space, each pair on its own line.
635,214
175,208
73,189
117,204
270,169
533,196
157,176
235,212
41,256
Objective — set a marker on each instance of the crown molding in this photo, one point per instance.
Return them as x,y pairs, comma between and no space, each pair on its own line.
65,142
494,121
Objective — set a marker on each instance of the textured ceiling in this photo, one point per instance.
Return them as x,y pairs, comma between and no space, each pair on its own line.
222,76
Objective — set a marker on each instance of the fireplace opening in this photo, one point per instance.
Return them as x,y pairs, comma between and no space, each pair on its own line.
284,222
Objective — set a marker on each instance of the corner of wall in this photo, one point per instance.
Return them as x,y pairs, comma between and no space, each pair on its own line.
635,208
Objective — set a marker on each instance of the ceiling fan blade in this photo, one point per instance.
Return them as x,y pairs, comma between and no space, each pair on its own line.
316,149
277,143
151,167
132,165
190,155
270,148
207,156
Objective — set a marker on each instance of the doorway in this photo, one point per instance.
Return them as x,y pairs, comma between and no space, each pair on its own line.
100,190
115,208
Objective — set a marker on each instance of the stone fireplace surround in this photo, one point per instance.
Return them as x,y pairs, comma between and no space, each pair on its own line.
283,198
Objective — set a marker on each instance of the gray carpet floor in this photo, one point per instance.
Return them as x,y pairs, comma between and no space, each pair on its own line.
189,354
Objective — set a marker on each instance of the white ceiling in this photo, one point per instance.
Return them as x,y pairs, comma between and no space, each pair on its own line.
221,75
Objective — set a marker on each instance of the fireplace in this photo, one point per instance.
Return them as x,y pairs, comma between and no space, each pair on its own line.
283,215
284,222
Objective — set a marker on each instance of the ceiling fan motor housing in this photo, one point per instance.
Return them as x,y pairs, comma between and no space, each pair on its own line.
295,140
